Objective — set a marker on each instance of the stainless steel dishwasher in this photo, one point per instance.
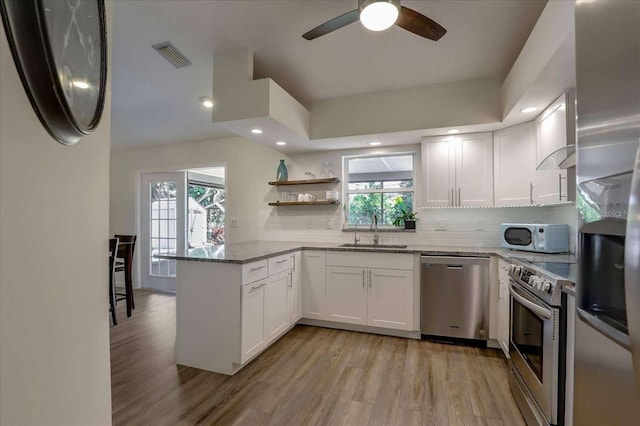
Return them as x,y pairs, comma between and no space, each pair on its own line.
454,297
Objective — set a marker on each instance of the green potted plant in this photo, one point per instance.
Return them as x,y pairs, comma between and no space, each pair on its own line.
406,217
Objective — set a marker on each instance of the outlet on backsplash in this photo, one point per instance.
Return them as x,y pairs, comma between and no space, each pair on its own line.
480,226
441,226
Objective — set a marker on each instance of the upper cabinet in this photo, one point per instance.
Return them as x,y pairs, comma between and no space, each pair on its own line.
458,170
555,130
514,153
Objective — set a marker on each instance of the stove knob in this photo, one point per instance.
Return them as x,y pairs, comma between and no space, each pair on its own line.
546,287
533,281
515,270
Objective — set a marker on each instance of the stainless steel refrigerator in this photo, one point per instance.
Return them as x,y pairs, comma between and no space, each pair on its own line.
607,351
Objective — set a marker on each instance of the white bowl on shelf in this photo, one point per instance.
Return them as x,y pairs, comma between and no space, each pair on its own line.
332,195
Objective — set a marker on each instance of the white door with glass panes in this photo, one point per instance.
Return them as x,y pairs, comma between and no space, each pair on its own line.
163,207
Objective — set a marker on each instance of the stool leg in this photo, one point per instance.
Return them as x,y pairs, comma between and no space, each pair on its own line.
112,299
128,282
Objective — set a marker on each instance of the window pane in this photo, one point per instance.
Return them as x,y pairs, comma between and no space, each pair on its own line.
395,204
355,186
205,215
398,184
363,206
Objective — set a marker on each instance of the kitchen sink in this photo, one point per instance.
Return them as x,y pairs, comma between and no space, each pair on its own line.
389,246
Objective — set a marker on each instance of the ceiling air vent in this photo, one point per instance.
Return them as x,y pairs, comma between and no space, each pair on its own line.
171,54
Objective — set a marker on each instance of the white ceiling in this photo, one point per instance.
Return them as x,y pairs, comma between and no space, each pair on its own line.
153,103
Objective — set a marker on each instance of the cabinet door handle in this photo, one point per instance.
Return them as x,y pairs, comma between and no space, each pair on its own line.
369,278
530,193
560,186
459,198
281,261
452,199
363,278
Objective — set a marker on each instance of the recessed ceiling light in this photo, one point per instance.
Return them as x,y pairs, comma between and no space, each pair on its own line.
452,131
256,131
375,143
207,102
527,110
80,84
281,143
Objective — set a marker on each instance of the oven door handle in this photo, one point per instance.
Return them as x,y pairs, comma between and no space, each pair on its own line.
539,310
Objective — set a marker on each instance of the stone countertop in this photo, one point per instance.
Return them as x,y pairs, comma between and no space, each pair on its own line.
240,253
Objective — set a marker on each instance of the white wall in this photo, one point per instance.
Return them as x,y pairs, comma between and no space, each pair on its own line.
249,167
464,227
54,311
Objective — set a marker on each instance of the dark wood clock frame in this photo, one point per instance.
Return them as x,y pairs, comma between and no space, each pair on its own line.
24,25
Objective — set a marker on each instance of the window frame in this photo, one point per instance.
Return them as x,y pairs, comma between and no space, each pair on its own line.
346,191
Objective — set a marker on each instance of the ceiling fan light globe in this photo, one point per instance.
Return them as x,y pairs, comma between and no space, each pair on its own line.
379,15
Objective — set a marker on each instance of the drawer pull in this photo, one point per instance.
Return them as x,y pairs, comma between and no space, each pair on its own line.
282,261
257,287
256,269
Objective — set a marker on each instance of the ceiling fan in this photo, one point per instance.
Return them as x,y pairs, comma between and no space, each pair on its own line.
378,15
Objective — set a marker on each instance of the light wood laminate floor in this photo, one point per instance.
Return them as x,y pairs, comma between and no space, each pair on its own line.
311,376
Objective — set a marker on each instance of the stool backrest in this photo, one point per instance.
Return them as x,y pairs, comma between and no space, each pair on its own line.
127,239
113,252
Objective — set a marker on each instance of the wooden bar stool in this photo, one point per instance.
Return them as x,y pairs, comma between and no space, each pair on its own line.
113,252
124,261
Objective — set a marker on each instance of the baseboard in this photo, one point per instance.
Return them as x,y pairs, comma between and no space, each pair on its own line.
361,328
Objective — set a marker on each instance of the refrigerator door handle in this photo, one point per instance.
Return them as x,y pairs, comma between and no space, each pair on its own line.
632,268
617,336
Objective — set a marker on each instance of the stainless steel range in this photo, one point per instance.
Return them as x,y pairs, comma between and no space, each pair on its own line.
537,343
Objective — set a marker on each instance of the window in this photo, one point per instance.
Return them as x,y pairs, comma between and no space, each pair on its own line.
381,185
206,207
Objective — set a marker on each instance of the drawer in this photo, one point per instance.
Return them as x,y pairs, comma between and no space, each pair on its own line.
254,271
371,260
280,264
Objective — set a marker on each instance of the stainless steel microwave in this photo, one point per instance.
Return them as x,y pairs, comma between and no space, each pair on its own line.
536,237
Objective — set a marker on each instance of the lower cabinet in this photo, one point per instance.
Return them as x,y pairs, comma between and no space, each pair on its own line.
346,295
253,336
294,295
504,308
276,319
390,299
369,296
313,284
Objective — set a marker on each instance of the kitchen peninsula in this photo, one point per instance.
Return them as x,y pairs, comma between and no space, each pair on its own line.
234,301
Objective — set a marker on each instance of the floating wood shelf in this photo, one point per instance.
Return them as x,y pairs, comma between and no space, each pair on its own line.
305,203
305,182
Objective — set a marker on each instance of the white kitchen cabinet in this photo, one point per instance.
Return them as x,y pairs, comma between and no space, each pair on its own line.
294,295
504,307
514,154
252,319
555,129
390,299
439,172
458,170
276,318
313,284
346,295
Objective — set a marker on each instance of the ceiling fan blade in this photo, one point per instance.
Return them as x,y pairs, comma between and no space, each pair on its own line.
334,24
419,24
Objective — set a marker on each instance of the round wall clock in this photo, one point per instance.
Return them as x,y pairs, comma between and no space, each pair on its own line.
60,50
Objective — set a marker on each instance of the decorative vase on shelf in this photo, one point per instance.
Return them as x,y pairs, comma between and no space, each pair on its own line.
282,173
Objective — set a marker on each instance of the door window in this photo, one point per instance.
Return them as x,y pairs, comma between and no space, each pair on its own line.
163,224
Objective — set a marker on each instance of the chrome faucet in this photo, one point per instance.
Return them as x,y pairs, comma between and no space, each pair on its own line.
356,240
374,226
